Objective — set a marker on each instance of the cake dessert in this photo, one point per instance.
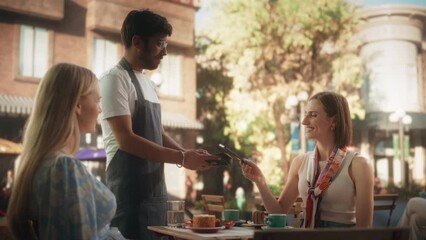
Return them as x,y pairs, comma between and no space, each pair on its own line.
203,220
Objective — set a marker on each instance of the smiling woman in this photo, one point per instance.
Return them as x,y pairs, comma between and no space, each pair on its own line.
335,183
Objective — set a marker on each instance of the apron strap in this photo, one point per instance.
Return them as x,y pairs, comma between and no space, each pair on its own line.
123,62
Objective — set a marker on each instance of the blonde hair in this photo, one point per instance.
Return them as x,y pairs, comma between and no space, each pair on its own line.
52,126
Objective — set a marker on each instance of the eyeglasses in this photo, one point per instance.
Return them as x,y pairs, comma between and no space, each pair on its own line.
162,44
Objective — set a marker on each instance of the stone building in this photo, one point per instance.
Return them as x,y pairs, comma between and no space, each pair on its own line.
394,52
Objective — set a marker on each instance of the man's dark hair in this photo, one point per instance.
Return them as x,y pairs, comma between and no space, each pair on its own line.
144,23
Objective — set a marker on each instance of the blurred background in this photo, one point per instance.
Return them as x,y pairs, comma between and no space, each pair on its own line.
238,73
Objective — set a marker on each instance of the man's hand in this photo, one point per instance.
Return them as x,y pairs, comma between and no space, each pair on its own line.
196,159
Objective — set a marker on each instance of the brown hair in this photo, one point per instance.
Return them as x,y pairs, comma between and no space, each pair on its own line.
336,105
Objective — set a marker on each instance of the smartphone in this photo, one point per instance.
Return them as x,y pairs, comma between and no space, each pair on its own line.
232,153
224,160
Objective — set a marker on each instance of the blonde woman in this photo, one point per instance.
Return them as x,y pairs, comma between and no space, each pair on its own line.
54,196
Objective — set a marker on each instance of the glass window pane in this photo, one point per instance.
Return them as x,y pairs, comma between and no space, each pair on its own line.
171,73
177,73
26,51
104,56
40,52
164,70
98,56
111,55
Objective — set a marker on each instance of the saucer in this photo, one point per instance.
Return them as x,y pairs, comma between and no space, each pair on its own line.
253,225
240,222
228,224
205,229
271,228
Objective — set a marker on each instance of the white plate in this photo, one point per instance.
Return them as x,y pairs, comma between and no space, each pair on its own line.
206,229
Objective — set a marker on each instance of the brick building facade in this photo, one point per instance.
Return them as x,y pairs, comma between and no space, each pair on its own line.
39,33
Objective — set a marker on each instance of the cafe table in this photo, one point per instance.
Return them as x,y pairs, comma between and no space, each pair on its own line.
224,234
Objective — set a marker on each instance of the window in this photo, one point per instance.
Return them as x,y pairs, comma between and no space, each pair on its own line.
104,55
33,51
171,75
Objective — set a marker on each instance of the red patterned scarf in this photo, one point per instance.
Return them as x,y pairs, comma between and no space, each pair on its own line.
318,182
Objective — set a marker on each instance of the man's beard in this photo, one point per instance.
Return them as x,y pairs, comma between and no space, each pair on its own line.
148,62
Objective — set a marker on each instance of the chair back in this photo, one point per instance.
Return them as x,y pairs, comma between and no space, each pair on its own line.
423,231
334,234
297,211
297,206
5,233
386,202
213,203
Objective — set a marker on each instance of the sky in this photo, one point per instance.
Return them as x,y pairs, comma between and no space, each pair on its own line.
203,13
377,2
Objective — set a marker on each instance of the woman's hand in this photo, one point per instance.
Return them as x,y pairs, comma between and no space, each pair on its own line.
252,172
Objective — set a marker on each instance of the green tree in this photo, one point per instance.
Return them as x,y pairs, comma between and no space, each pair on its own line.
213,87
274,49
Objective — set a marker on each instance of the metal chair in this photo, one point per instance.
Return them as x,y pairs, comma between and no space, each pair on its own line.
385,202
297,210
4,230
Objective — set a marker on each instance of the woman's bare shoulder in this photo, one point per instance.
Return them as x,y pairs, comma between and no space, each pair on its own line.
297,162
360,164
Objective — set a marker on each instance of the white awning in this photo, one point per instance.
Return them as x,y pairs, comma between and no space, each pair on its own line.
178,120
15,105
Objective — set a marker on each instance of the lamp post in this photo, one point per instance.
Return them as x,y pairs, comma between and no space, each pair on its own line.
292,102
302,97
402,119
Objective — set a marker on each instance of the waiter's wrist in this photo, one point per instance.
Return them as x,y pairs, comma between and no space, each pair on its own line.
182,162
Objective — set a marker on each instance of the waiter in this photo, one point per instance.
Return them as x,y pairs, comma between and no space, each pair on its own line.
136,144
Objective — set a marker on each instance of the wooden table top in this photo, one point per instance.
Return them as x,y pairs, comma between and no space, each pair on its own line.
224,234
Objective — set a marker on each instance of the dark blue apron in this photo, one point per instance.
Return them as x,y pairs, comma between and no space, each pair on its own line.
138,184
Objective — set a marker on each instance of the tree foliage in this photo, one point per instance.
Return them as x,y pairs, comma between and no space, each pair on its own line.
213,88
276,48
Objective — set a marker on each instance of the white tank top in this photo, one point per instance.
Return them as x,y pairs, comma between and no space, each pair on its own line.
338,202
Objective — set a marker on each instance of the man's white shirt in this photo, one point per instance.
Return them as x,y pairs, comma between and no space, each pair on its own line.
118,98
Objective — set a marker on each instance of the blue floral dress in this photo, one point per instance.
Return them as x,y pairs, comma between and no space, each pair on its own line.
67,202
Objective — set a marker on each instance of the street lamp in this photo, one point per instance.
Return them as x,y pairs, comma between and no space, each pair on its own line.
402,119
